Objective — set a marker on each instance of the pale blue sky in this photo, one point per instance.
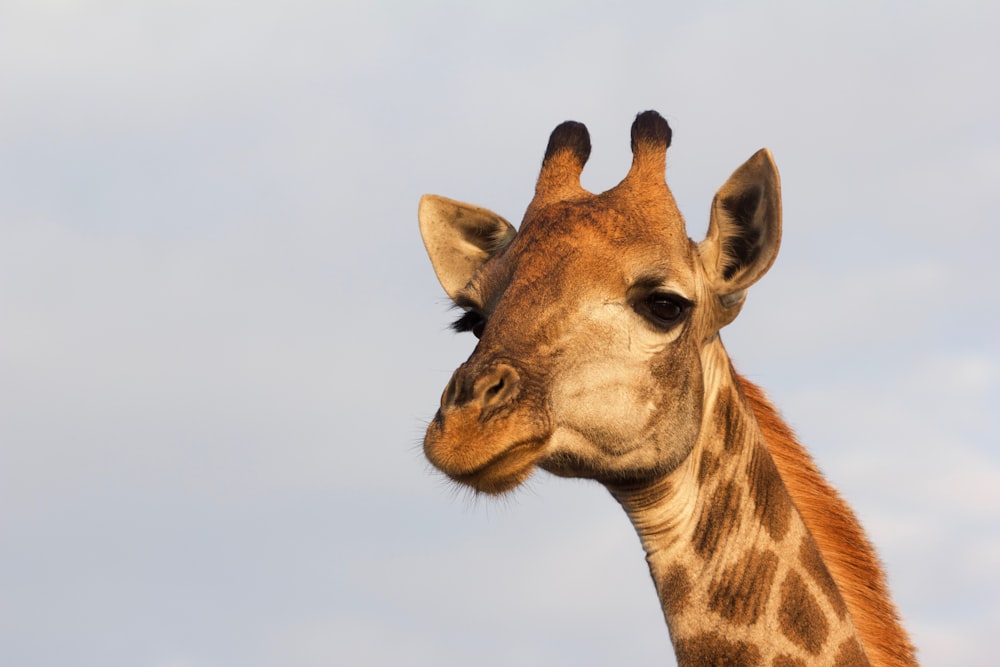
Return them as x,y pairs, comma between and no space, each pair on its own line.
220,337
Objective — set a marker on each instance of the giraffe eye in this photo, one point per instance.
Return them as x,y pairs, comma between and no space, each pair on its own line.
666,310
470,321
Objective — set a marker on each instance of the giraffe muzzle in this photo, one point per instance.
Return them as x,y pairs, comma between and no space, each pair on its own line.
486,392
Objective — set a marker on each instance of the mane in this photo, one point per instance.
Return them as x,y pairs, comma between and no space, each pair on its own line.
848,554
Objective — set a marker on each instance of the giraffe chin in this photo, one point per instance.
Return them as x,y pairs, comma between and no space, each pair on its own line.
504,472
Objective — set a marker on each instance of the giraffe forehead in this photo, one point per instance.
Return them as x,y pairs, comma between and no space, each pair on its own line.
592,242
618,217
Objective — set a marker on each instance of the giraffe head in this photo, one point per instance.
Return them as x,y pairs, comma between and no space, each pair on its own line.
592,317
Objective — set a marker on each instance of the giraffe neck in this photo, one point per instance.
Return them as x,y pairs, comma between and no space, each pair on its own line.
740,578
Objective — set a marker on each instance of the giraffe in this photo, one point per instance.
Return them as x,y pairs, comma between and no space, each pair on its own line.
599,357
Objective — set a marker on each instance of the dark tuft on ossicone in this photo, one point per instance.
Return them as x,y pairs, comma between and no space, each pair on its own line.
651,129
572,136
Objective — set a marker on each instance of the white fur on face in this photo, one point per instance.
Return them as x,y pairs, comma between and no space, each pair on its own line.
604,400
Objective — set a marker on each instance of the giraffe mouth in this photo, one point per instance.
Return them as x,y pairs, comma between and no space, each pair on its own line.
504,471
489,434
490,460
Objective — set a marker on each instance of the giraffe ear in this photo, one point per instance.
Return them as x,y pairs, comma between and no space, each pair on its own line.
744,231
459,238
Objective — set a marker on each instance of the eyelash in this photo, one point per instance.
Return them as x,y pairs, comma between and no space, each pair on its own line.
470,321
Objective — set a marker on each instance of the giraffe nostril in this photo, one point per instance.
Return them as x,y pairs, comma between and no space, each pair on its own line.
498,386
494,390
458,390
448,396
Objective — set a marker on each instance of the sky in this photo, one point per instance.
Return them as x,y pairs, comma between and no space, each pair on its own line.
221,339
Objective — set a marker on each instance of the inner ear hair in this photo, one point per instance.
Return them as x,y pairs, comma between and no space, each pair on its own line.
459,238
741,237
744,231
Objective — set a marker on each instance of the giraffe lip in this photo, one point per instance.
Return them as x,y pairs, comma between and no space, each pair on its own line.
505,470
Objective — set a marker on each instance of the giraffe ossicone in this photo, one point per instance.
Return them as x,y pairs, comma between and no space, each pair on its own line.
599,357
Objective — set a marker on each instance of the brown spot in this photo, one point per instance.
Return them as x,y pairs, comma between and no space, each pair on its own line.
800,617
855,566
740,594
772,504
813,563
732,422
673,589
851,655
787,661
718,517
711,648
709,464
